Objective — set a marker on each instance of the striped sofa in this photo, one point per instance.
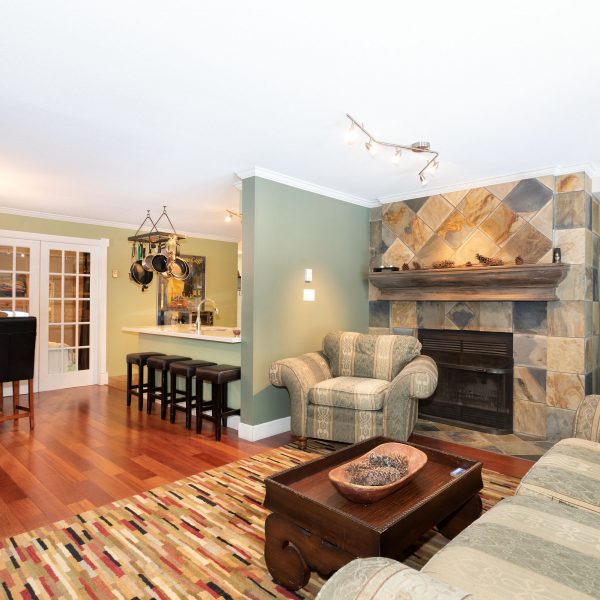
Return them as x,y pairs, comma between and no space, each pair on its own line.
357,387
543,543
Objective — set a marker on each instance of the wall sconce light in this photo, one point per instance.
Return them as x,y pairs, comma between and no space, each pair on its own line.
371,146
308,295
232,213
307,275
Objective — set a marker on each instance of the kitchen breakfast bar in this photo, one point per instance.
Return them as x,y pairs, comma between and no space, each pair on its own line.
215,344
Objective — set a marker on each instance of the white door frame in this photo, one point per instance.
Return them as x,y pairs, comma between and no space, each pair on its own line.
101,376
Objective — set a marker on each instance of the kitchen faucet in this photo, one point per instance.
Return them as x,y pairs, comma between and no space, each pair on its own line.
204,301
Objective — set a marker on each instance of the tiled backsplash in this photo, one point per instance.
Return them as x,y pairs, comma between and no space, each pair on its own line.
556,344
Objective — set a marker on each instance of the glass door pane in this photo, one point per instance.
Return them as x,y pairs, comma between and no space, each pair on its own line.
15,278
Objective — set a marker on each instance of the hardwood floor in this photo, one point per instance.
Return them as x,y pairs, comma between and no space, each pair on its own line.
89,449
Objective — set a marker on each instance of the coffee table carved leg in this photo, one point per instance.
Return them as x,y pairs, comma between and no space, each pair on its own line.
454,523
291,552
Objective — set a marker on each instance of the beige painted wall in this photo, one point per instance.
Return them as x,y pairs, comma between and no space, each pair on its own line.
126,304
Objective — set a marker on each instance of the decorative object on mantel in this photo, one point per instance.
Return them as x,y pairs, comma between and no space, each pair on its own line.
377,473
490,262
519,261
371,145
443,264
405,267
556,255
508,282
382,268
155,251
416,266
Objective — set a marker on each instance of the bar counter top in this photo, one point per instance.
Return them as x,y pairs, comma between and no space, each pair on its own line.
208,333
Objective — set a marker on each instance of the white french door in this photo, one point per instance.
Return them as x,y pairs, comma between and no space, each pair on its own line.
68,331
19,282
62,281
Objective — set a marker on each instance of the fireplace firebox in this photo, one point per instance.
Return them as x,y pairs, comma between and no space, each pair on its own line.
475,379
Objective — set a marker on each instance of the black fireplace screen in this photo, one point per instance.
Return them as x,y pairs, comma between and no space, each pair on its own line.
475,379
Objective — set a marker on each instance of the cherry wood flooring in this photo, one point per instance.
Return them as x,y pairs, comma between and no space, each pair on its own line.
89,449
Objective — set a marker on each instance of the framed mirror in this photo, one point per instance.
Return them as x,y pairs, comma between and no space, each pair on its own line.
177,300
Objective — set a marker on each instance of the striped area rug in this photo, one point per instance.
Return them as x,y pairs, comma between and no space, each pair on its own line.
199,537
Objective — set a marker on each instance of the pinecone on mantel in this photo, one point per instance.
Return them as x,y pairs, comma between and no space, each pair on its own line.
444,264
489,262
416,265
405,267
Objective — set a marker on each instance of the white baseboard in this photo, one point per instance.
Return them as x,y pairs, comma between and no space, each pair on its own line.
254,433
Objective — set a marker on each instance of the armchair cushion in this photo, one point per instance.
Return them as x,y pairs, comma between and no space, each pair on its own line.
359,393
353,354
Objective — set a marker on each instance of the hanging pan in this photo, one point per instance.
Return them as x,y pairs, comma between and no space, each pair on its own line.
139,275
179,269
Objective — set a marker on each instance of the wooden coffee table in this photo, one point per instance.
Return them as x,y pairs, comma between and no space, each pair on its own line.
313,527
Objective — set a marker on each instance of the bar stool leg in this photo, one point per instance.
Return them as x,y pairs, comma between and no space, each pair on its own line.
30,386
224,404
173,396
15,400
151,389
129,383
199,404
188,403
217,395
164,396
140,387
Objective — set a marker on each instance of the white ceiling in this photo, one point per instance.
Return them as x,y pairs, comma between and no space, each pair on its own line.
112,107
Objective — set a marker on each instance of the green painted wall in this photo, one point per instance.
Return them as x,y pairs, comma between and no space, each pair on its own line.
286,230
126,304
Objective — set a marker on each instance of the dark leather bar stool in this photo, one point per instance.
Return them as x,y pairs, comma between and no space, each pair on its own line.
219,376
187,369
139,359
162,364
17,361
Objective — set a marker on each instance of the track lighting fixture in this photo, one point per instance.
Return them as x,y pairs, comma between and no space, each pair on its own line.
351,134
232,213
372,144
371,149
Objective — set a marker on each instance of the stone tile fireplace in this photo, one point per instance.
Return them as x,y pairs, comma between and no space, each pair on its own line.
555,343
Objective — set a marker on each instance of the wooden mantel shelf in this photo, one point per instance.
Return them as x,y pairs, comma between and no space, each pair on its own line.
509,282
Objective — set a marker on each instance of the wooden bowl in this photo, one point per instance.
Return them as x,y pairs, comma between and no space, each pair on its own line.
367,494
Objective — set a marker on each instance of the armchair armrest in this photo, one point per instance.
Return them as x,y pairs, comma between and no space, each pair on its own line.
298,375
587,419
380,578
416,381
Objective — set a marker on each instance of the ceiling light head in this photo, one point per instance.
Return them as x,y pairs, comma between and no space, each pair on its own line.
396,157
433,167
422,179
371,147
351,133
230,214
420,146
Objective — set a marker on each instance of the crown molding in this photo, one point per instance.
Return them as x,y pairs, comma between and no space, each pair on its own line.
102,223
588,168
305,185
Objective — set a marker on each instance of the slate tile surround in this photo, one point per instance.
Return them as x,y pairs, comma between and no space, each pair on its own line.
556,344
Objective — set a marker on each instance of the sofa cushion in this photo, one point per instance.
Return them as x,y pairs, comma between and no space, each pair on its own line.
353,354
569,472
386,579
524,548
358,393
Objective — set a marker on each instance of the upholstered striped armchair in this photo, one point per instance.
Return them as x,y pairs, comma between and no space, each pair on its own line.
357,387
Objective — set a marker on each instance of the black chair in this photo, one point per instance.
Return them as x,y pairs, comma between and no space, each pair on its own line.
219,376
162,364
140,359
17,363
187,369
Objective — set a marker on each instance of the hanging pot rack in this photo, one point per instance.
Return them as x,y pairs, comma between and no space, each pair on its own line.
153,235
